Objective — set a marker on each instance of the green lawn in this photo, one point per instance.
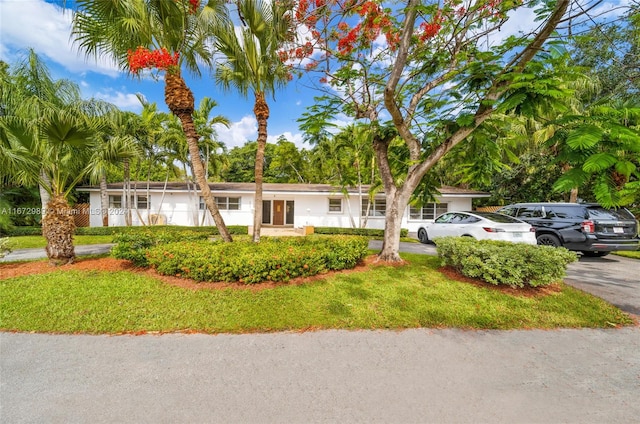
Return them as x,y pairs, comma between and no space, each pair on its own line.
634,255
385,297
27,242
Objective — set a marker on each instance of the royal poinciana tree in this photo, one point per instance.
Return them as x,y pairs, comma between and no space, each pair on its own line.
427,73
160,36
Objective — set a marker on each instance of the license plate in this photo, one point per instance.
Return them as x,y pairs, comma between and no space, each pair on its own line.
618,230
517,235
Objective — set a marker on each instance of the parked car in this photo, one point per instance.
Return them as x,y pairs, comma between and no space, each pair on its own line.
479,225
588,228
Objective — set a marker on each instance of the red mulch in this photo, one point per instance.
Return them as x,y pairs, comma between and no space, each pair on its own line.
110,264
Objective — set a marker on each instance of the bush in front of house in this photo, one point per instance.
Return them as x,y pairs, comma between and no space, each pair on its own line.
134,245
273,259
105,231
4,247
499,262
369,232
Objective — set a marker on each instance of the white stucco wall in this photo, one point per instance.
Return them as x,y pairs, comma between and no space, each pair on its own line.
179,208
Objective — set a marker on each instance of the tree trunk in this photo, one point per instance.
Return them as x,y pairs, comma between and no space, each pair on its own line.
58,228
179,100
104,200
126,193
261,111
44,193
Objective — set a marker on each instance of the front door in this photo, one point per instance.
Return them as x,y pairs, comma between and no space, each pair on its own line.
278,212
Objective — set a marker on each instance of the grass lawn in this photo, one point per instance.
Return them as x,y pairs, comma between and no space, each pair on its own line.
27,242
634,255
384,297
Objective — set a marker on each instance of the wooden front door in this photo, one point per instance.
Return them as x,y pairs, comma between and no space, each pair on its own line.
278,212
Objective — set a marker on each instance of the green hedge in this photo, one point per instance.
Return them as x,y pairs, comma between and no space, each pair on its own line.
105,231
134,245
273,259
370,232
499,262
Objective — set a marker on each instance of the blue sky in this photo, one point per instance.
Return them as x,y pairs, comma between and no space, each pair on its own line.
45,27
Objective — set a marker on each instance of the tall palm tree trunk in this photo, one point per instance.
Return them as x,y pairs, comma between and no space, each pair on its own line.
261,111
58,227
104,200
179,100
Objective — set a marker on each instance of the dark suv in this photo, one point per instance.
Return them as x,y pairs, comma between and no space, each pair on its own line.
588,228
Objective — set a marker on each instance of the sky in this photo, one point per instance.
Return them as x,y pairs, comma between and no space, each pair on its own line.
45,27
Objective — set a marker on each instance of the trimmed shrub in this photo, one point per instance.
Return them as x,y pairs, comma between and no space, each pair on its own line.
4,247
105,231
370,232
500,262
23,231
273,259
134,245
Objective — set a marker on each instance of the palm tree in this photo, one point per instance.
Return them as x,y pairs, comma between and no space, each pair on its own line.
251,63
117,28
48,133
115,144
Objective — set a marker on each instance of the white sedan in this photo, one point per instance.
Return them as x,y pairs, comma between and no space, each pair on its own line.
479,225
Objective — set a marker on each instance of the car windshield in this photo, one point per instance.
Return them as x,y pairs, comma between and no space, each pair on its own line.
497,217
598,212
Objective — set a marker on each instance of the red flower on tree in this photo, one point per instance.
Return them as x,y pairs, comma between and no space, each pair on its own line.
143,58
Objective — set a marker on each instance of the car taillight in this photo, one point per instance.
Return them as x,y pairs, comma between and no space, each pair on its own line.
532,230
588,227
493,230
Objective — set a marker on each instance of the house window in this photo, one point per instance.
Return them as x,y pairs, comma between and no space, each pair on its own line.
428,211
223,203
376,207
228,203
115,201
142,202
335,205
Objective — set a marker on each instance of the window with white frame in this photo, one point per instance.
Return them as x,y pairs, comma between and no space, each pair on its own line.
115,201
335,205
428,211
223,203
376,207
142,202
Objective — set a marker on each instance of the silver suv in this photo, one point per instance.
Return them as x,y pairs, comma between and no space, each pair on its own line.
584,227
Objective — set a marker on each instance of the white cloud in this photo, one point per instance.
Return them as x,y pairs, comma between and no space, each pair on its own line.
239,133
46,28
296,138
124,101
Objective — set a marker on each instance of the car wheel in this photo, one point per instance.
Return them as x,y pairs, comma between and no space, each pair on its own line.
594,254
548,240
422,236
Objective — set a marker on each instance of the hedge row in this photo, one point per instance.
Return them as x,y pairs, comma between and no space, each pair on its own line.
369,232
499,262
273,259
134,245
105,231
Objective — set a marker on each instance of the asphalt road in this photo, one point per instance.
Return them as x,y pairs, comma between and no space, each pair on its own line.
411,376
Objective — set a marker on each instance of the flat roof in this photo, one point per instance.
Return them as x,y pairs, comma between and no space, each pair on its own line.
269,187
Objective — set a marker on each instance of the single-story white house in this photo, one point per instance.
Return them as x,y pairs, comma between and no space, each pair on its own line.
284,205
